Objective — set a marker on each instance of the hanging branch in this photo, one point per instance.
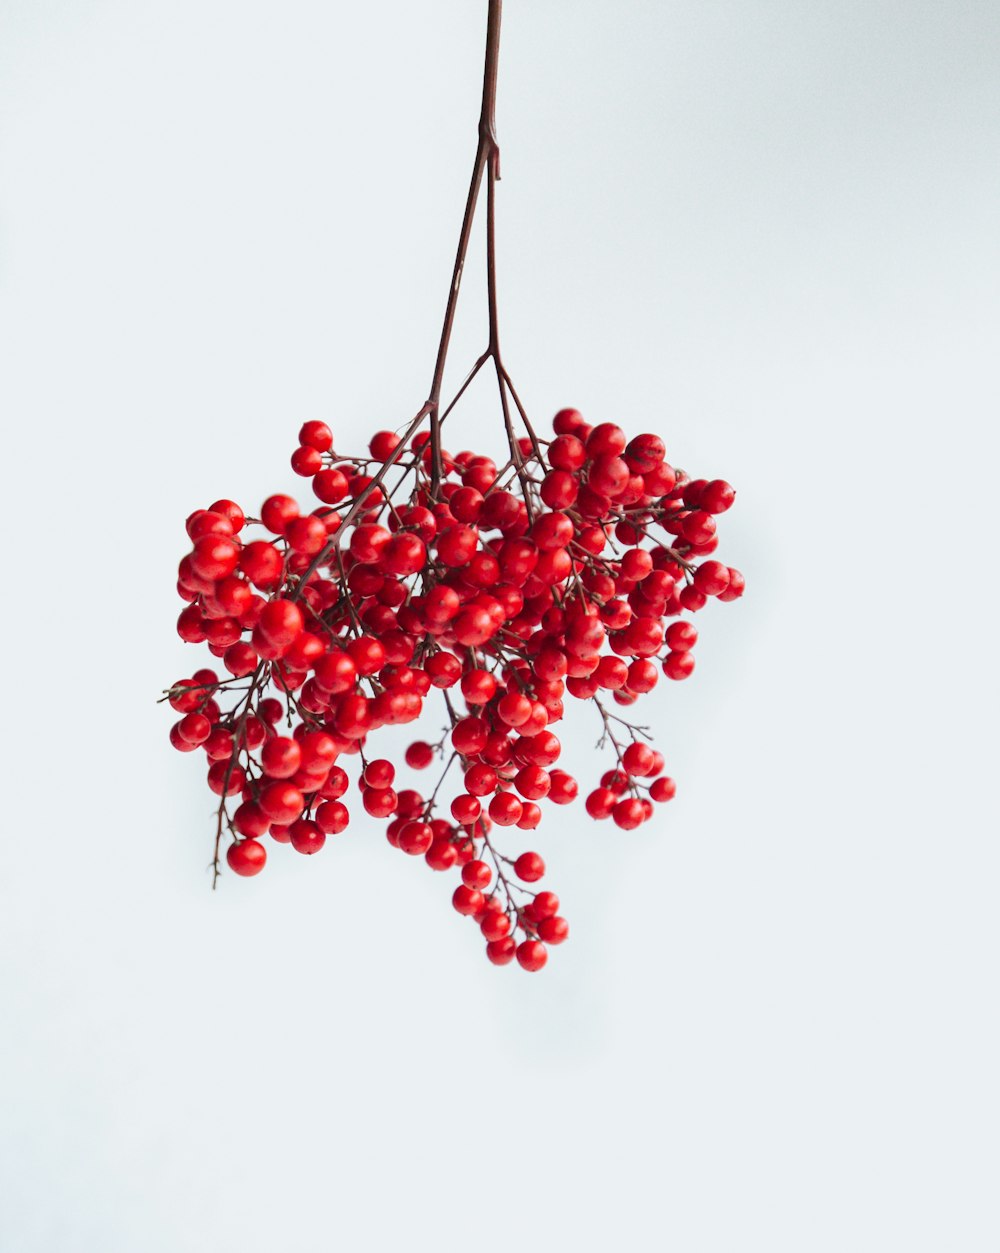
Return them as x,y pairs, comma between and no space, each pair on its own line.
550,577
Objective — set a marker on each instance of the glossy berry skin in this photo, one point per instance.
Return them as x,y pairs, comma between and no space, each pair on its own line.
306,837
332,817
246,858
281,757
553,930
477,874
467,900
495,925
681,637
663,789
529,867
415,838
678,665
316,435
532,955
501,952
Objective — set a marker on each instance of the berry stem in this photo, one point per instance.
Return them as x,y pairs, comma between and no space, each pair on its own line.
487,158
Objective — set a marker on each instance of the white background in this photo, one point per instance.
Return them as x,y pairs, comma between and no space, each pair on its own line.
768,231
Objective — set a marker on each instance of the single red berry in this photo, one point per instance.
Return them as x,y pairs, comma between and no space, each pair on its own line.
663,789
466,810
717,496
306,535
505,809
477,874
247,857
277,511
545,905
628,814
379,802
678,665
281,621
529,867
637,759
564,789
681,637
441,855
250,819
419,755
415,838
380,773
469,736
383,444
501,952
281,757
532,955
330,486
332,817
306,837
231,510
306,461
495,925
316,435
215,557
553,930
467,900
282,802
530,817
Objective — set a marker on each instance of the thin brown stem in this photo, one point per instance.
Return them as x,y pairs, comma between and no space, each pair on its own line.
486,158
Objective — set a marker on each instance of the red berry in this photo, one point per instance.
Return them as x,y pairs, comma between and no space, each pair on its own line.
415,838
281,757
545,905
467,900
332,817
419,755
281,621
717,496
681,637
663,789
501,952
316,435
330,486
380,773
711,578
553,930
532,955
495,925
282,802
628,814
477,874
306,461
277,511
246,857
506,809
383,444
466,810
306,837
229,509
529,867
215,557
678,665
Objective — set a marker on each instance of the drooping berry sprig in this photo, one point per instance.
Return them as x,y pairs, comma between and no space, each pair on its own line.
565,572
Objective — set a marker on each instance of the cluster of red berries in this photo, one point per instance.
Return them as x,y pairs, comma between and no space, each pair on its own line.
516,585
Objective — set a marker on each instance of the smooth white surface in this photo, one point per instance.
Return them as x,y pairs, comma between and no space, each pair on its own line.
767,231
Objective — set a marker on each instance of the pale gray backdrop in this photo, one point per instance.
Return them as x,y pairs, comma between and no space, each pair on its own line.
765,229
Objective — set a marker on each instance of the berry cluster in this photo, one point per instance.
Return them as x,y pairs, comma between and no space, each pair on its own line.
562,573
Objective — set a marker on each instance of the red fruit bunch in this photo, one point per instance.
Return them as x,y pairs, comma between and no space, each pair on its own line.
565,573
